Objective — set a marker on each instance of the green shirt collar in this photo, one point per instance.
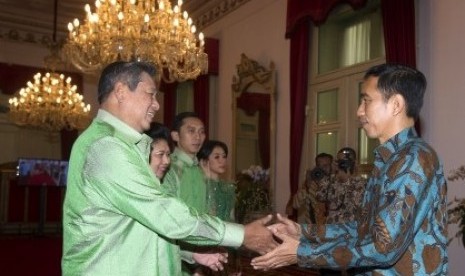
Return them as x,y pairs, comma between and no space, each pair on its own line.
125,132
185,158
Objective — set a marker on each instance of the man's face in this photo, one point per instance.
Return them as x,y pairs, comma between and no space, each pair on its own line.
141,104
375,113
325,164
191,135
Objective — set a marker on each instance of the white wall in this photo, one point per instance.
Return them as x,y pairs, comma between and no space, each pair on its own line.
256,29
442,58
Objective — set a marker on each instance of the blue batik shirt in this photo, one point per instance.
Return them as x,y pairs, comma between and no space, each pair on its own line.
402,226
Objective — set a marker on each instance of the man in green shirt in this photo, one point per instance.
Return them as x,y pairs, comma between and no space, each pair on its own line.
116,218
185,177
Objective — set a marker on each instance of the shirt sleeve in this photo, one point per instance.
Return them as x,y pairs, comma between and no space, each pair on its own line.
388,223
119,177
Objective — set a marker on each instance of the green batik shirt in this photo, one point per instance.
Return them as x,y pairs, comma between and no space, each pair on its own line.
191,185
116,218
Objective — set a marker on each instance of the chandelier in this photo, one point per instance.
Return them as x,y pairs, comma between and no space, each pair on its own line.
142,30
50,102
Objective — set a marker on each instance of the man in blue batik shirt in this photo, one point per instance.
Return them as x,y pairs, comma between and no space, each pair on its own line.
402,228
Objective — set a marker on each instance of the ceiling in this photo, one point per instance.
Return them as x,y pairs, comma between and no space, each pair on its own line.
32,20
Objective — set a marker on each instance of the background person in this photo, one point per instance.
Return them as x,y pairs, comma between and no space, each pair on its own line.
343,193
185,178
117,220
221,194
403,227
314,210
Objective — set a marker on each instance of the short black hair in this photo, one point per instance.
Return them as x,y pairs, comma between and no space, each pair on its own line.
179,119
158,131
207,149
121,71
403,80
323,155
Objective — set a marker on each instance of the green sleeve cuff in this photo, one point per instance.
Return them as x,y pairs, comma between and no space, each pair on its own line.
233,235
187,256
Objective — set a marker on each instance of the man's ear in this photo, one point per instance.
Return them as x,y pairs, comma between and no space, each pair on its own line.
175,136
120,91
398,103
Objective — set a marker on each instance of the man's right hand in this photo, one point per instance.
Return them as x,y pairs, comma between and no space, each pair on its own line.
286,226
258,237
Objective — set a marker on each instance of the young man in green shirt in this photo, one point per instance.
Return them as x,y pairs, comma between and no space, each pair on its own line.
185,177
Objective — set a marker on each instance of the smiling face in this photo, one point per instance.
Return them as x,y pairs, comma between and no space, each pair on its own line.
160,157
140,104
191,136
376,113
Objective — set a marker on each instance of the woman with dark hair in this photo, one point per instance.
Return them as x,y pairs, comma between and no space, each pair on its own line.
160,149
221,194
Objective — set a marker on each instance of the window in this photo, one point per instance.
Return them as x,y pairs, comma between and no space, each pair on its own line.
350,37
344,47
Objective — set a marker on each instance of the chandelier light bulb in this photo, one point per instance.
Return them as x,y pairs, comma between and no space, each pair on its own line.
149,30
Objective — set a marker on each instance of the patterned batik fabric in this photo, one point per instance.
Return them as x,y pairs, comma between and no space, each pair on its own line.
402,229
306,196
341,199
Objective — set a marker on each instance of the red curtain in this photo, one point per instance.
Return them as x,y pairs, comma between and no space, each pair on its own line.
298,87
300,11
202,99
259,102
399,31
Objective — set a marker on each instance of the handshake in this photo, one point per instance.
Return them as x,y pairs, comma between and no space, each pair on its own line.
277,243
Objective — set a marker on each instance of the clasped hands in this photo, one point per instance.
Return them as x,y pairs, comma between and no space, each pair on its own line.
277,243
